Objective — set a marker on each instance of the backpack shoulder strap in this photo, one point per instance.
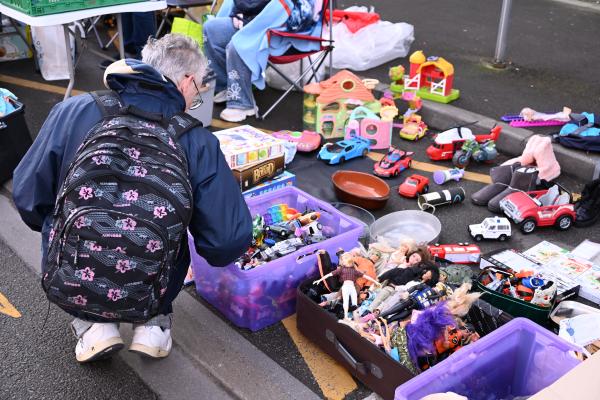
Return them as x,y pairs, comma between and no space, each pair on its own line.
108,102
181,123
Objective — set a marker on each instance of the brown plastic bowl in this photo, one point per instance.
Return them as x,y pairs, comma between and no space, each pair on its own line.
363,190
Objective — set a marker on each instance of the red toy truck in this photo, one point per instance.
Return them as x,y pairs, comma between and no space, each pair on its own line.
447,142
539,208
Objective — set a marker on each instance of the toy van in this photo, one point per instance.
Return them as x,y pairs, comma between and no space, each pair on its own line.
496,228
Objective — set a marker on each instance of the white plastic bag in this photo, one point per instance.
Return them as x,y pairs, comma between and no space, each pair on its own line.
293,71
370,46
50,47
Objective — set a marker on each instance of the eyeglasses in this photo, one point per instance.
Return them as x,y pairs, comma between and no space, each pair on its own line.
197,102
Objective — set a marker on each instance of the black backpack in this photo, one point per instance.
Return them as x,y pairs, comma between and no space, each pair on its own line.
121,216
575,140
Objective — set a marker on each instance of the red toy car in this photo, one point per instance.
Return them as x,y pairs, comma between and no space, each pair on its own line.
393,163
461,253
413,186
446,143
540,208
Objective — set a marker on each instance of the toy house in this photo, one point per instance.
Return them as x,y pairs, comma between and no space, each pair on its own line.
328,104
432,78
365,123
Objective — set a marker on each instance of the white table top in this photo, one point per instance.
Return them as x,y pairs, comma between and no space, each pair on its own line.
72,16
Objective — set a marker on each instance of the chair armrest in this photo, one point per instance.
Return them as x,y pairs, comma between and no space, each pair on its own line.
298,36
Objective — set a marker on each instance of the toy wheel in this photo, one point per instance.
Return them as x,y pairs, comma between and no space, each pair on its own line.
478,238
564,223
503,238
528,226
319,226
365,152
395,174
342,160
409,164
425,189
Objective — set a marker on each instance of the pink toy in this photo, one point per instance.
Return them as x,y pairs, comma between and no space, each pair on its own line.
306,141
539,152
365,123
529,117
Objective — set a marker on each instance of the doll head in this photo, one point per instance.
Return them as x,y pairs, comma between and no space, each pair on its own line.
346,260
421,254
407,246
430,273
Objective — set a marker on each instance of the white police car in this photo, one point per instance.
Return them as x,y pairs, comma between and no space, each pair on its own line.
497,228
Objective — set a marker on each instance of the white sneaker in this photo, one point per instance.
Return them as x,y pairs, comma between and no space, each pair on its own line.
220,97
102,340
151,341
237,114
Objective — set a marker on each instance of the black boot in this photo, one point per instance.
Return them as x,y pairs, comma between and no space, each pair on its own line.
588,207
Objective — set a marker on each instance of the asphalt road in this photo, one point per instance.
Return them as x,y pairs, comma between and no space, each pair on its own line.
37,361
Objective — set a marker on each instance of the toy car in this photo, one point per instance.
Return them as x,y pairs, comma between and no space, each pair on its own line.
344,150
539,208
394,162
306,141
446,143
413,186
279,231
461,253
281,249
491,228
414,128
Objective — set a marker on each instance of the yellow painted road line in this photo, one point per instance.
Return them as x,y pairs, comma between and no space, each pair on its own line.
427,167
7,308
45,87
333,379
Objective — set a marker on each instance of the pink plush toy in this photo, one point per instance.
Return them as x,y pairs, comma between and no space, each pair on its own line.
539,152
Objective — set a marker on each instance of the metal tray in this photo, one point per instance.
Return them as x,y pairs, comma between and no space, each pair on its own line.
420,226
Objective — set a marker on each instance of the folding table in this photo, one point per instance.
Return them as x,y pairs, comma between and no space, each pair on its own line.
66,18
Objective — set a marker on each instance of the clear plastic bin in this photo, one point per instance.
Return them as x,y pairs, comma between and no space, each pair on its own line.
518,359
266,294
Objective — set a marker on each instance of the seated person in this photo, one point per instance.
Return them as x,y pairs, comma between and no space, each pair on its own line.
240,59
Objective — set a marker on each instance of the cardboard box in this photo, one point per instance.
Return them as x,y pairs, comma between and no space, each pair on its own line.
12,46
279,182
251,175
245,144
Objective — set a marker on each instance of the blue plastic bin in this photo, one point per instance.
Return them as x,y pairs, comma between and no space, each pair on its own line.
266,294
518,359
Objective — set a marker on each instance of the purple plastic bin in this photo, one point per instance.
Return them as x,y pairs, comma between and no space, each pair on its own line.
518,359
266,294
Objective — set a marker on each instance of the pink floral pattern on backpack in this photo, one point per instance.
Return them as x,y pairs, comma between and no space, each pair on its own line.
154,245
86,274
79,300
123,266
133,152
160,212
86,193
114,294
126,224
131,195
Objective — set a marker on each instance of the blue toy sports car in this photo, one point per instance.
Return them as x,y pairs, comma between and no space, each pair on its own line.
338,152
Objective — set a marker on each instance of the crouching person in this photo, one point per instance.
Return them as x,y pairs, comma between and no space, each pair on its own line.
113,182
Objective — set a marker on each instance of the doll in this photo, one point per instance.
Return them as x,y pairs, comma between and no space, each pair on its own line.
426,272
393,257
347,274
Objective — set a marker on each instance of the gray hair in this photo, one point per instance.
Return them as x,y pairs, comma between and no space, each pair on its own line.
175,56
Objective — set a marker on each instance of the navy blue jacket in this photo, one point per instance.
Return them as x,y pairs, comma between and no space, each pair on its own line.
221,223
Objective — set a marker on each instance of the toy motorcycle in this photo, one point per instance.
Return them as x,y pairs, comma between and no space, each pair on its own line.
479,152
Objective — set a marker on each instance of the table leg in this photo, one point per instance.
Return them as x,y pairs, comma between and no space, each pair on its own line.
69,61
121,39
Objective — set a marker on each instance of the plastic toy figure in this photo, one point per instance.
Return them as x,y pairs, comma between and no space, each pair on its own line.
414,128
491,228
258,230
306,141
446,143
337,153
413,186
347,274
471,149
529,117
394,162
442,176
539,208
396,75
